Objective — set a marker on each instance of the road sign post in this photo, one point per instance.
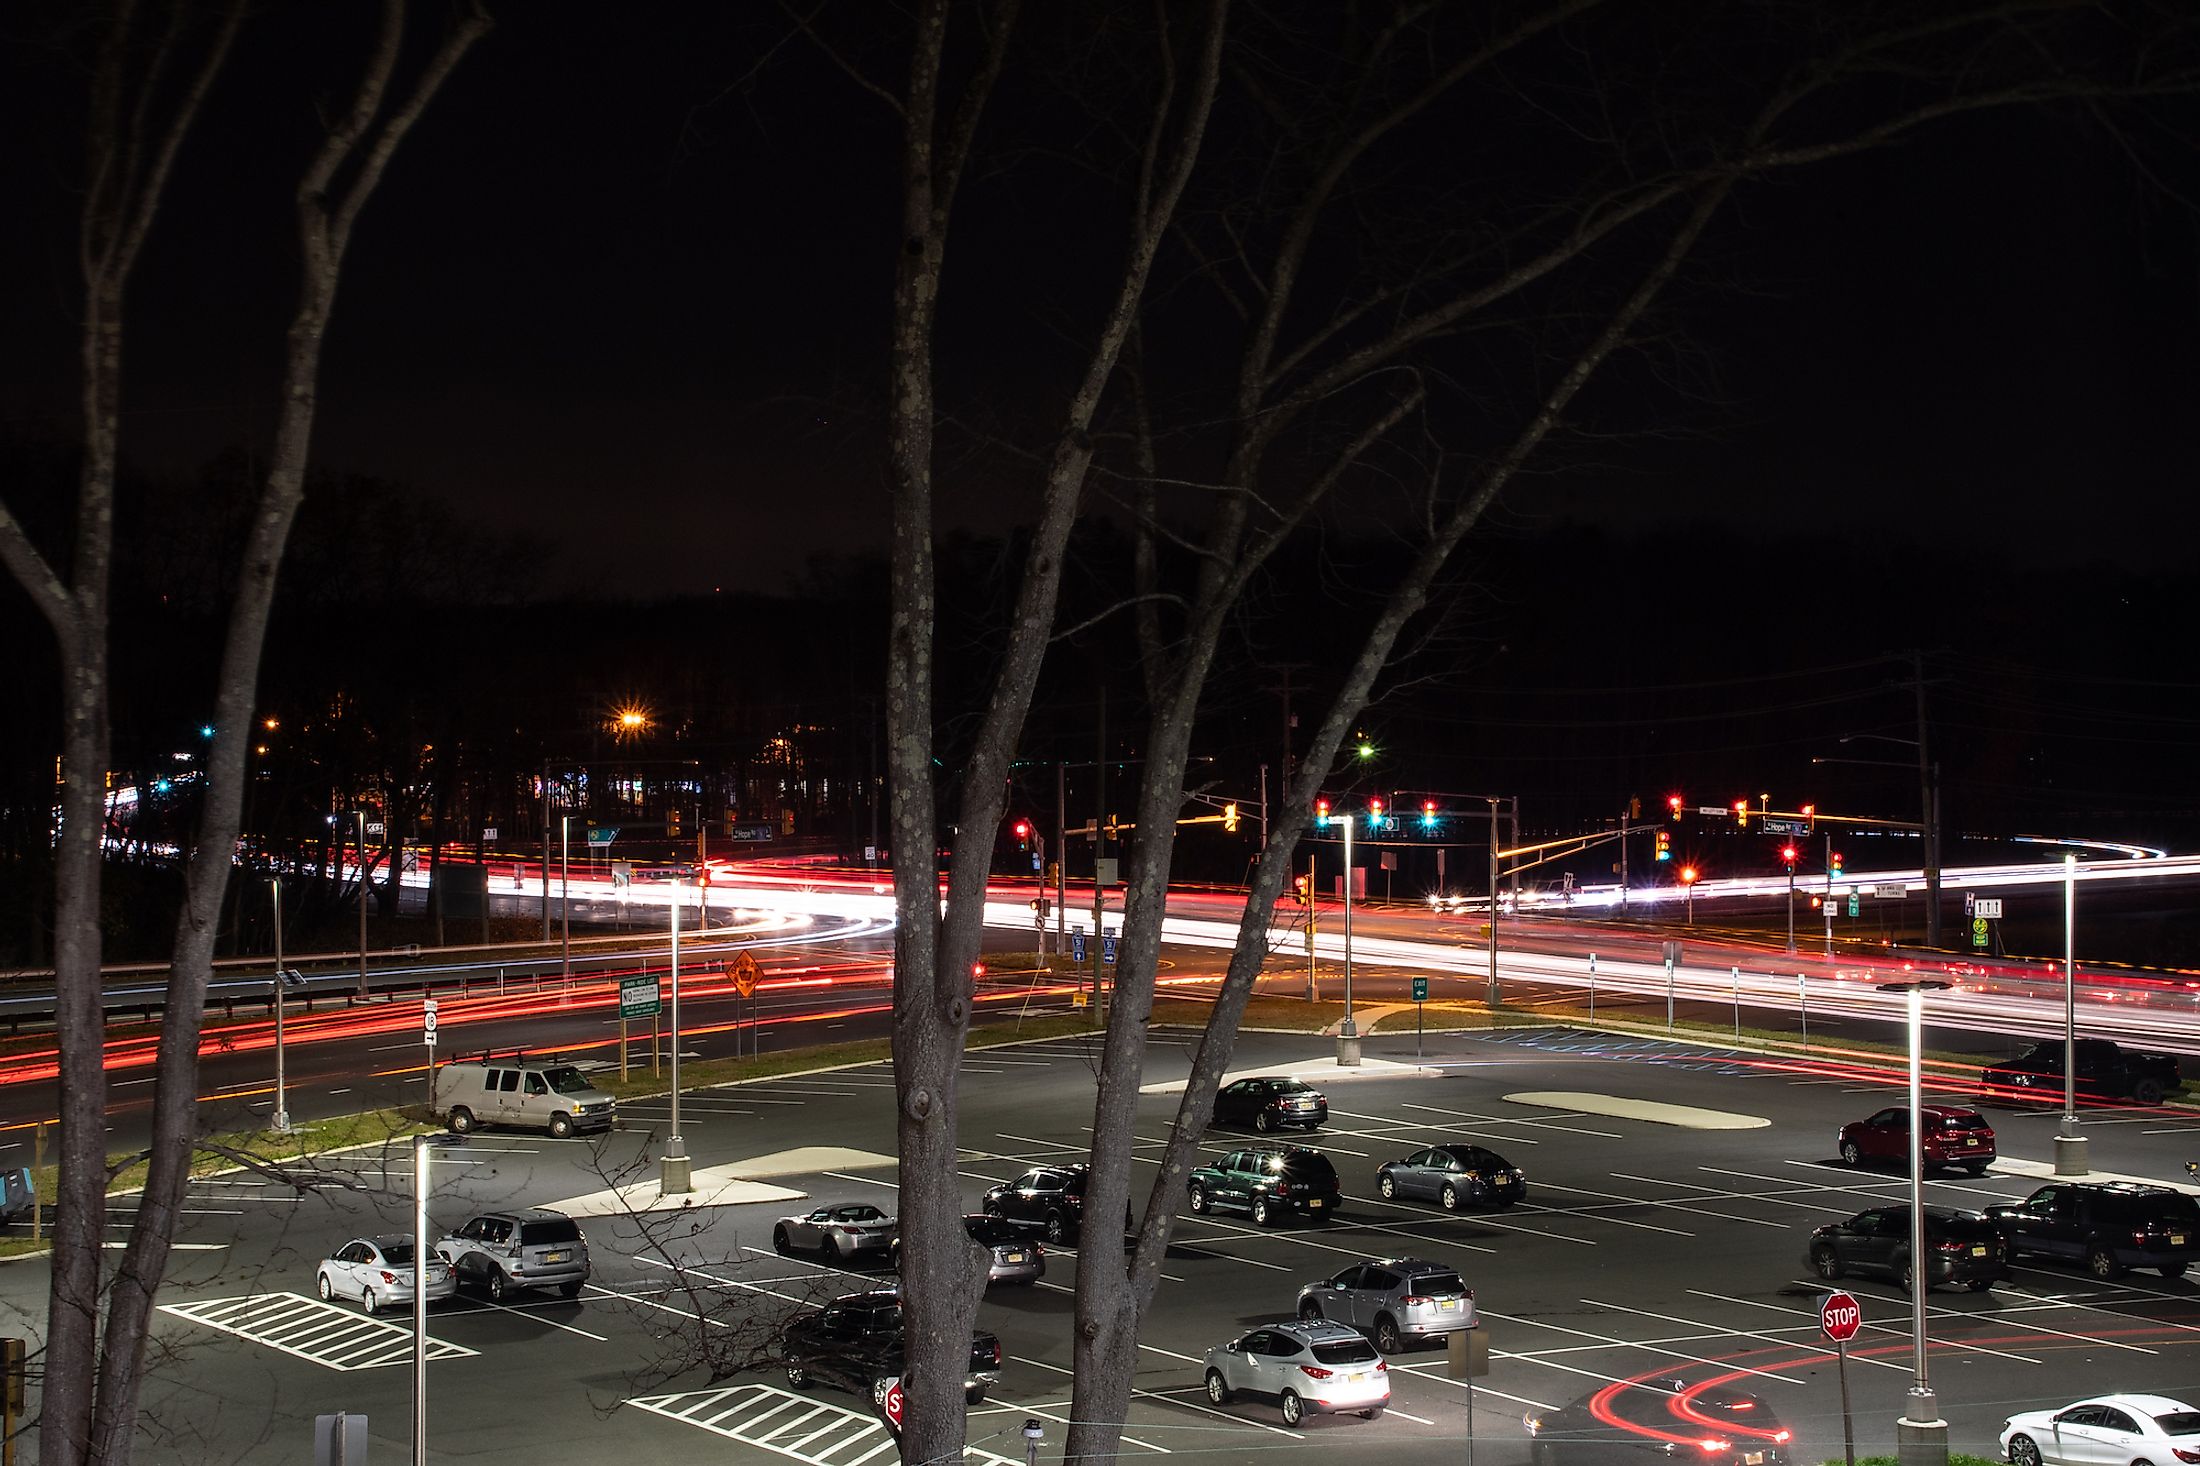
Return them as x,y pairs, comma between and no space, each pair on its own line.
745,975
638,998
1420,996
1839,1317
427,1036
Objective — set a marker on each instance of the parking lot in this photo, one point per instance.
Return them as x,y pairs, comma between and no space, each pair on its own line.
1646,1247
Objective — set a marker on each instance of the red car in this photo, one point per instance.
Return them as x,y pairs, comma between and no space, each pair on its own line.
1953,1137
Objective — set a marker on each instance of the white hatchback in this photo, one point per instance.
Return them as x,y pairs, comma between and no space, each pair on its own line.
1306,1367
2142,1430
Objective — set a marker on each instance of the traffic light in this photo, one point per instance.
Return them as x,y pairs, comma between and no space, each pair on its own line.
1298,890
1741,813
1374,814
1428,814
1787,855
1810,815
1665,845
1833,862
1023,832
1230,818
1688,875
1321,813
1673,803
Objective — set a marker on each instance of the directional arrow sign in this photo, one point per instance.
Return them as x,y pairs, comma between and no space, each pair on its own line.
1840,1316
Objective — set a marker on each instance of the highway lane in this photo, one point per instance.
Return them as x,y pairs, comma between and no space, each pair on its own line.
1643,1249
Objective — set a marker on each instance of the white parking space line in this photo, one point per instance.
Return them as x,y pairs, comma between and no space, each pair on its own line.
306,1328
1810,1327
1418,1127
1482,1218
994,1404
1169,1397
1521,1121
1716,1194
759,1415
865,1180
1646,1347
1051,1147
2104,1302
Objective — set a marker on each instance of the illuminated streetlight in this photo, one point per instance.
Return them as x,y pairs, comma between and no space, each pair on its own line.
1348,1037
1688,885
675,1176
1921,1436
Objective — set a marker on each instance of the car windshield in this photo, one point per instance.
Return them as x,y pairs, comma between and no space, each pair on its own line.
2179,1422
1292,1086
992,1231
1310,1168
1438,1283
1962,1122
547,1231
1345,1351
565,1079
1969,1226
397,1254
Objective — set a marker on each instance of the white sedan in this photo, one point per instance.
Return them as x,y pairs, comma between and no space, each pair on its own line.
378,1271
2108,1430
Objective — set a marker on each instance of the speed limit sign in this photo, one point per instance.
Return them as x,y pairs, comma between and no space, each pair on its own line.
427,1021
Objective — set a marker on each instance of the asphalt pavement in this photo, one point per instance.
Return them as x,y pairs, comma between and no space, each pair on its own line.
1646,1248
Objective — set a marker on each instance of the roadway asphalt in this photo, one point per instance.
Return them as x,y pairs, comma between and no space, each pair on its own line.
1644,1249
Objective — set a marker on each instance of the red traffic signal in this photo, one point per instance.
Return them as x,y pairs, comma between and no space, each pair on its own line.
1688,875
1787,853
1673,803
1321,811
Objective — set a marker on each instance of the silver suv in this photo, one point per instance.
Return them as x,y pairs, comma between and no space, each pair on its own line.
501,1251
1393,1300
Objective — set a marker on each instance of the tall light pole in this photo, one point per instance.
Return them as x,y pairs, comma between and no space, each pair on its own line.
2069,1144
1791,853
676,1171
1492,996
423,1147
565,892
361,816
282,1106
1348,1037
1921,1436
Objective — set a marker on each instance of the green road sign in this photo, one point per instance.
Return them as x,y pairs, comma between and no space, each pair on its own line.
1855,905
1420,990
638,997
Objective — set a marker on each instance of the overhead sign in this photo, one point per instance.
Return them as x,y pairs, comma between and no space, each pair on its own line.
638,997
745,974
1785,827
1840,1316
489,833
1988,907
751,832
1892,891
427,1021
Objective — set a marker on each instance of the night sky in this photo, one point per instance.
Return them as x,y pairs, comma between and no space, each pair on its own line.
627,288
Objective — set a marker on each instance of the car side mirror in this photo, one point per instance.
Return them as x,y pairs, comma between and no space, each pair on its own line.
1230,1348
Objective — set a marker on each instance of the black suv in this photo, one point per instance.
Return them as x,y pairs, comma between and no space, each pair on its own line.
1271,1183
2108,1226
855,1343
1960,1247
1050,1197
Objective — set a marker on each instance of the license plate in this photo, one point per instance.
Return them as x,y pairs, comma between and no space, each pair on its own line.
2176,1239
1753,1458
1448,1305
1357,1379
1502,1182
1978,1250
1313,1203
1971,1142
1015,1257
556,1256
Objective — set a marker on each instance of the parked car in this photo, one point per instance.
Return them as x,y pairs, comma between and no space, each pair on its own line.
1270,1182
855,1343
1454,1174
2145,1430
2106,1071
2107,1225
532,1094
502,1251
1051,1198
1620,1425
847,1231
1392,1300
1960,1247
1017,1255
378,1271
1952,1136
1305,1367
1267,1104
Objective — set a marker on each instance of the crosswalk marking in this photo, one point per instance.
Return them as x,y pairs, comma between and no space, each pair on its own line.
307,1328
766,1416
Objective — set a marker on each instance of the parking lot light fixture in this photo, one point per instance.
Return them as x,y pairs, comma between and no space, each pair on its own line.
675,1175
2070,1159
423,1148
1348,1036
1921,1435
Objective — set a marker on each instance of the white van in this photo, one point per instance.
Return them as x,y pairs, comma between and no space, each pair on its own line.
532,1094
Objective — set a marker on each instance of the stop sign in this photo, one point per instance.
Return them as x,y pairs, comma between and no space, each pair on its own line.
1840,1317
892,1403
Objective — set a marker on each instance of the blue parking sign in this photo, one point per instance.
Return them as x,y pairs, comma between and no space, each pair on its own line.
1077,945
1107,950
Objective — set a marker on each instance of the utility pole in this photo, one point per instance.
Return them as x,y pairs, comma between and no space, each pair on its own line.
1099,839
1623,859
1061,859
361,815
1929,799
1492,996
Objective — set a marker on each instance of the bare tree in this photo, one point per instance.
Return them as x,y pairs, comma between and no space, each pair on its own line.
94,1374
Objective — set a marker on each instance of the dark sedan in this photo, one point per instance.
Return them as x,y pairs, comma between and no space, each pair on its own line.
1268,1104
1633,1422
1960,1247
1454,1175
1953,1136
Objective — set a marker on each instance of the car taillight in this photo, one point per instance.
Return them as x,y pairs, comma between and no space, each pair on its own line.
1416,1300
1382,1366
1780,1437
1949,1246
996,1353
1712,1445
388,1276
1037,1250
1315,1371
2184,1455
2140,1235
